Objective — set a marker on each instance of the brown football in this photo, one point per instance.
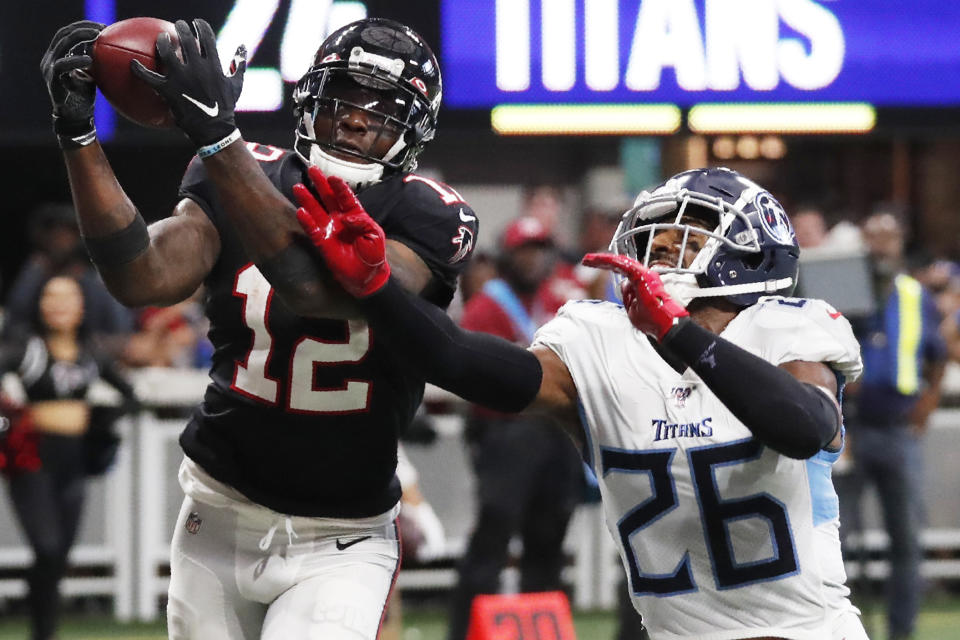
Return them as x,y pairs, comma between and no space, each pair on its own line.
117,45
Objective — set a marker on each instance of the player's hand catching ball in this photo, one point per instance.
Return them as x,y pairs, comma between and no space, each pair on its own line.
649,306
201,97
71,89
352,243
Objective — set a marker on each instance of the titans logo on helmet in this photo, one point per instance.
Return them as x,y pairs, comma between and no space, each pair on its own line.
774,218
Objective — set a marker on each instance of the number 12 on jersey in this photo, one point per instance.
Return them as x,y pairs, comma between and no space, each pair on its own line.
250,377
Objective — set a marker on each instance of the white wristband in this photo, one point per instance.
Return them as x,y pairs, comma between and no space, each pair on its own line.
216,147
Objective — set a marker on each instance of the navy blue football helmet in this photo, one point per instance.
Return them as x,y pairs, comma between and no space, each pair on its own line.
748,247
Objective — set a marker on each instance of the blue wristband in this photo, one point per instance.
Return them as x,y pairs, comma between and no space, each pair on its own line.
216,147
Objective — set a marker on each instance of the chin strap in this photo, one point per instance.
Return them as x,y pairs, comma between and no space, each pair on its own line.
356,174
683,287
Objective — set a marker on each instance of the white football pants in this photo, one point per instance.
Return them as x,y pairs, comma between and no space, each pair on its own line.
239,571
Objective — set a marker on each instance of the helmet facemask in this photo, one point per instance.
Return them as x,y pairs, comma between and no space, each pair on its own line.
392,111
683,210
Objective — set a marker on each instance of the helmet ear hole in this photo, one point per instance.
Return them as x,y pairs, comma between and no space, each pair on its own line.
754,261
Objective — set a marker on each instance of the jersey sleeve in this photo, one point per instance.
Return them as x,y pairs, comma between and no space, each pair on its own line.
434,222
807,329
196,186
580,335
561,333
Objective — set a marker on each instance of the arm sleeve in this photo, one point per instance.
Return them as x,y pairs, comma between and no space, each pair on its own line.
792,417
478,367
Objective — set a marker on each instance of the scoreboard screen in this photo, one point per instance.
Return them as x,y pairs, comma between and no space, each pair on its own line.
688,52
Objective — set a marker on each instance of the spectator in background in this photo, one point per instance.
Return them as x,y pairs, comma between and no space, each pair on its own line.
571,280
47,469
58,250
482,267
904,357
815,234
545,203
529,477
810,226
165,337
943,278
596,229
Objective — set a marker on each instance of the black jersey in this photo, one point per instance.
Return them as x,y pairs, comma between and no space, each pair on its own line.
303,415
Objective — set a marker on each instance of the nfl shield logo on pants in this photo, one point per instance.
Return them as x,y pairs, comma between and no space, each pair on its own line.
193,523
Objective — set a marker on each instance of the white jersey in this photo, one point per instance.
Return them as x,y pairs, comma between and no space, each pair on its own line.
720,536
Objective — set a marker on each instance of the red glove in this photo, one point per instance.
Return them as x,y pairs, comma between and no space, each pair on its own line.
648,305
352,243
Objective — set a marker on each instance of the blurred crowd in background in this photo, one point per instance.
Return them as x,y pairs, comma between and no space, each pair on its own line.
176,336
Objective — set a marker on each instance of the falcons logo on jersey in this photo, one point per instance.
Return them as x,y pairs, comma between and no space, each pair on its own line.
464,240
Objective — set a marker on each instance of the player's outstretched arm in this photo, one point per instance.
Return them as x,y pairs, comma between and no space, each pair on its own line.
791,408
478,367
160,266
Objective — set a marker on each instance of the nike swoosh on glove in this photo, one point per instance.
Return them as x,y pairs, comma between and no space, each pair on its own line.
200,95
351,242
648,305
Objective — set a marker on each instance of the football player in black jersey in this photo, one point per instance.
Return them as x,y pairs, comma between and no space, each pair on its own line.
288,526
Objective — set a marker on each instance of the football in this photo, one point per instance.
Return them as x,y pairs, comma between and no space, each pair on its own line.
116,46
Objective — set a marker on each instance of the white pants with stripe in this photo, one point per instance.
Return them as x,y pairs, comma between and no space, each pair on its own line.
239,571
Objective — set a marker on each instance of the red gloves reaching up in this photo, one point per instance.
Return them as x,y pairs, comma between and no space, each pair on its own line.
649,306
352,243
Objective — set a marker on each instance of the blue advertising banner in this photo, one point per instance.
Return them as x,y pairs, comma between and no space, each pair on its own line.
686,52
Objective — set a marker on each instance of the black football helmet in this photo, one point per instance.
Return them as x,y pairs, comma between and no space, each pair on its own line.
393,62
748,250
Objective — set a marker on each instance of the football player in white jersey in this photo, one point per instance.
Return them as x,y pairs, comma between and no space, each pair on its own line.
708,404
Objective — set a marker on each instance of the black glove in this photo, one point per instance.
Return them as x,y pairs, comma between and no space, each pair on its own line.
72,91
200,96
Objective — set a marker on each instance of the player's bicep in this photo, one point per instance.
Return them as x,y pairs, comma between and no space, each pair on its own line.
821,376
558,393
183,248
408,267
